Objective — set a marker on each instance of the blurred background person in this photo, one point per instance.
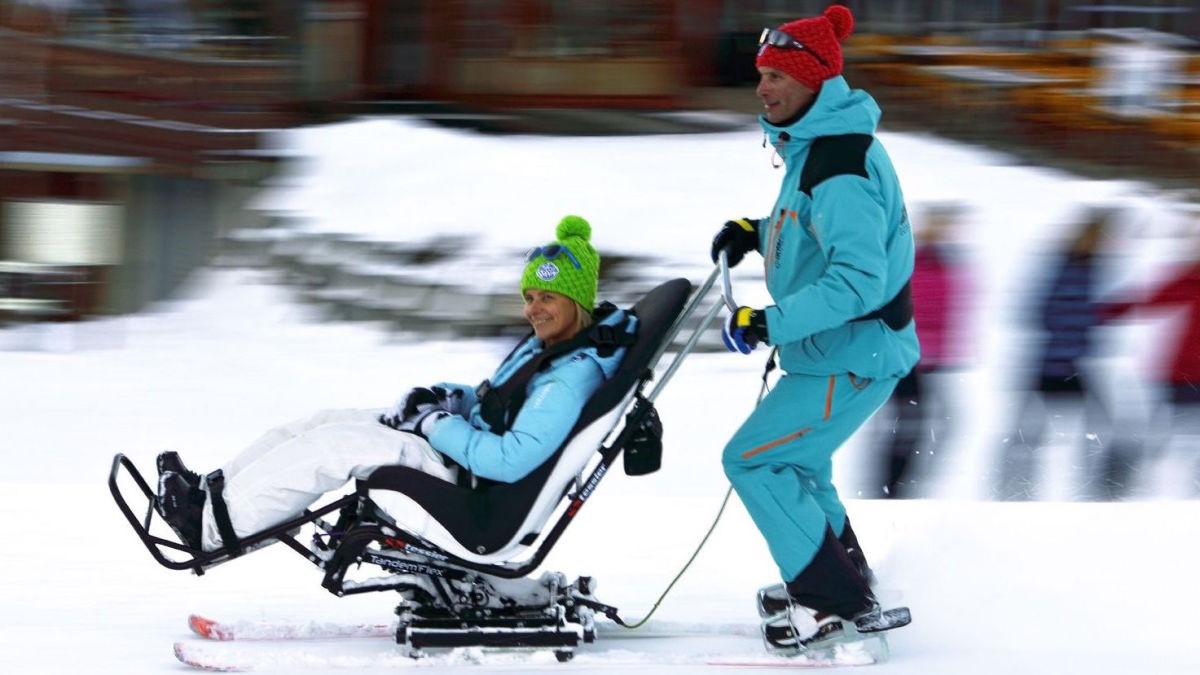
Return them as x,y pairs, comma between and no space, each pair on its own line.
1062,401
161,24
922,410
1178,380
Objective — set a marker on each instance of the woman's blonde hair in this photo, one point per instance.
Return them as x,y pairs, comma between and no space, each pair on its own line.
583,318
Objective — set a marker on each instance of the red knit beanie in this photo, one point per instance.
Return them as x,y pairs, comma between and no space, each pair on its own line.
819,35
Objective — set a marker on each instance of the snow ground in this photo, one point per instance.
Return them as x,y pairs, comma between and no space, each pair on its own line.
1041,587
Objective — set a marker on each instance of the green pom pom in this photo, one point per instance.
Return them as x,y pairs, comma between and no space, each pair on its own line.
573,226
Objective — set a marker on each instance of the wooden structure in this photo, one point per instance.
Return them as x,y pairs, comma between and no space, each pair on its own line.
536,53
156,148
1055,96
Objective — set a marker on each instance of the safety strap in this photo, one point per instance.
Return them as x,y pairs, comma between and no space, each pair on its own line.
897,312
216,490
499,404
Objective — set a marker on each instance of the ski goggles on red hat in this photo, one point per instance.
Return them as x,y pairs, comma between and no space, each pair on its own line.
776,38
550,252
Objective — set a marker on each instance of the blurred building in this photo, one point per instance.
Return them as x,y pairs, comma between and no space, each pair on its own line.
646,52
130,137
133,131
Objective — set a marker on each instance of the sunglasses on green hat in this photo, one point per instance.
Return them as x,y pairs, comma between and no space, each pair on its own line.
550,252
781,40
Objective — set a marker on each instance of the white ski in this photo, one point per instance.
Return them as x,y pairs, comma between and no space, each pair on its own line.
715,650
279,630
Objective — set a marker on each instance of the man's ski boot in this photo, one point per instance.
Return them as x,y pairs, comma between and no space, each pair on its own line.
802,629
774,599
829,602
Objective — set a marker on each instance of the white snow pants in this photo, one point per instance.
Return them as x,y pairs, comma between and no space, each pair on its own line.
290,467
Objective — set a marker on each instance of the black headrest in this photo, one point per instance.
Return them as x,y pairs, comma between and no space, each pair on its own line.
656,312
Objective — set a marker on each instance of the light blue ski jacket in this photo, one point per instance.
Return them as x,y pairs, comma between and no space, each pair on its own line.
554,400
842,252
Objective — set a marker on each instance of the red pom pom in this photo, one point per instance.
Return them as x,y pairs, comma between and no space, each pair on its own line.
842,20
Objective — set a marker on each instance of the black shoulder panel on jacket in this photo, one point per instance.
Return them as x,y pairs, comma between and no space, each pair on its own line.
835,156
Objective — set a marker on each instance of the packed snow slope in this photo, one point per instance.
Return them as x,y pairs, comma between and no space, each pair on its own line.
1041,587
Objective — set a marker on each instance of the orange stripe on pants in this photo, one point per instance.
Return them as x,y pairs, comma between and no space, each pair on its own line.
829,397
775,443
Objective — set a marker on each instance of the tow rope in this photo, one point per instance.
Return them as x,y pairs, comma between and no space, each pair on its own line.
610,611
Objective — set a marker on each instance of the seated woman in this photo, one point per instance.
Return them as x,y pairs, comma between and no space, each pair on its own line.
436,430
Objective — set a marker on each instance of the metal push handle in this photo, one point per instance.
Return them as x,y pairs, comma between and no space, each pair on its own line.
726,286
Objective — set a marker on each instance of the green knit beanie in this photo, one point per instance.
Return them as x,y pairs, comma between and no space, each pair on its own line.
553,266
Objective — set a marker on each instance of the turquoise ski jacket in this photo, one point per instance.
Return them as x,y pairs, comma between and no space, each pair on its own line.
838,244
554,400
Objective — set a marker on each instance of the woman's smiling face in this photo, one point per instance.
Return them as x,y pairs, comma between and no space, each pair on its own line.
554,317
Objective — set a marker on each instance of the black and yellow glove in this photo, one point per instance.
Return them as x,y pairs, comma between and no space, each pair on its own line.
736,238
745,329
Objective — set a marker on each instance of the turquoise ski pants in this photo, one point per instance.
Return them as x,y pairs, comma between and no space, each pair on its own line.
780,461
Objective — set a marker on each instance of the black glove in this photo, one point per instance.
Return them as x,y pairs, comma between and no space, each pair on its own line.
736,238
745,329
418,400
423,424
